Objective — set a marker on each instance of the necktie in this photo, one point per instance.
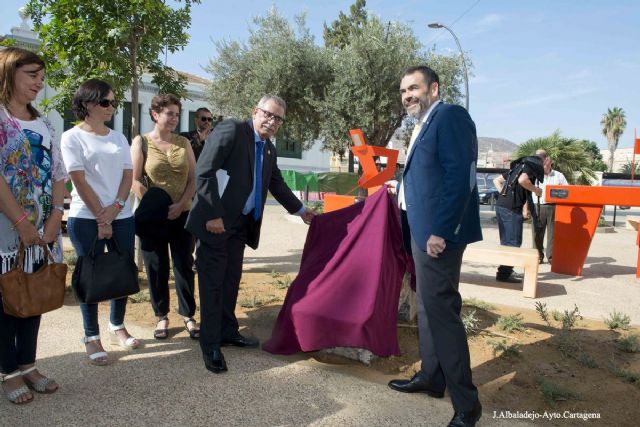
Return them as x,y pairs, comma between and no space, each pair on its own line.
257,210
414,135
416,132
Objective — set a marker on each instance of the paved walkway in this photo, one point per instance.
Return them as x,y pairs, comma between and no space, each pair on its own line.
165,383
608,282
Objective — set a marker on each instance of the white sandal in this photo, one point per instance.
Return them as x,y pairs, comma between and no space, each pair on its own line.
130,343
13,395
93,357
41,385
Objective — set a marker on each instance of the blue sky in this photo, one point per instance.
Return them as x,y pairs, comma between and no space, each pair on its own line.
538,65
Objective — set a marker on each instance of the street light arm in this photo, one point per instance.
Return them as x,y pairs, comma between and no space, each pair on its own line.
464,63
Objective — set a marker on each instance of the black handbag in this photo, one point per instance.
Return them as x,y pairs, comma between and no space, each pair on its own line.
105,276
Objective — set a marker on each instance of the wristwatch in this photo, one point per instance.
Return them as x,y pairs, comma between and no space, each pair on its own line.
119,204
60,208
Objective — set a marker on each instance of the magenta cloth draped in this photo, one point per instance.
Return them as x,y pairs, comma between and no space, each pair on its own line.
346,293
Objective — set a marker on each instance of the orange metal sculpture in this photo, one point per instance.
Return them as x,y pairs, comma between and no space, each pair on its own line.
371,177
578,210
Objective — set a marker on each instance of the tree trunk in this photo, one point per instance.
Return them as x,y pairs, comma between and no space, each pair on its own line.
611,152
135,119
135,111
351,166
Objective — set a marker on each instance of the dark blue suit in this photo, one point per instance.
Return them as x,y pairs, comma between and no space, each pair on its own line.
441,199
440,179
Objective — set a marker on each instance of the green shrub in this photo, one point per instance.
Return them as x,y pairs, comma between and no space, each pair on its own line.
625,374
585,359
617,320
541,309
470,322
283,283
630,343
504,349
567,344
569,318
256,301
514,322
479,304
274,274
553,392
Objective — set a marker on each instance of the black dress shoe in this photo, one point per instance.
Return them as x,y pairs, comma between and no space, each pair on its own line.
417,384
466,419
511,278
214,361
241,341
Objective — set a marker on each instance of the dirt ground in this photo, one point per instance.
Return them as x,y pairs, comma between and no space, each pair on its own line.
587,376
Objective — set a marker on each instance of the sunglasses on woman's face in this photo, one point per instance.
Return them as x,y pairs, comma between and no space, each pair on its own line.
104,103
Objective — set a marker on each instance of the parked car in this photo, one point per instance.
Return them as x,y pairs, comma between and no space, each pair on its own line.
488,196
487,192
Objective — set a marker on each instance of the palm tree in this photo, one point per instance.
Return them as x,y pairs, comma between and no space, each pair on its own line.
613,124
569,155
629,166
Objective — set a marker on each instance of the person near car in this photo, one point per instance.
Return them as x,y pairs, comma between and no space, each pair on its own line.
509,211
546,211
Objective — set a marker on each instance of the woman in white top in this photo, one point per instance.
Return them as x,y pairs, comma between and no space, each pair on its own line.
31,195
99,163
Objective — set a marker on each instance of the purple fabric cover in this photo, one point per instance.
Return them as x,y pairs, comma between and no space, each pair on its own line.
346,293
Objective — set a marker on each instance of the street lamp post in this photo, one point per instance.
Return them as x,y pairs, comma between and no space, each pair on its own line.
464,64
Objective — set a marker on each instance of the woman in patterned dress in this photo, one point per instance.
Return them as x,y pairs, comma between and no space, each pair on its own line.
31,208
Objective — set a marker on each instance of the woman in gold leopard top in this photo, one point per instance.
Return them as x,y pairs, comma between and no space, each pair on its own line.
165,160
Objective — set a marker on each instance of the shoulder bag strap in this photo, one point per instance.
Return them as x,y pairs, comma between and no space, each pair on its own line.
112,245
145,149
92,252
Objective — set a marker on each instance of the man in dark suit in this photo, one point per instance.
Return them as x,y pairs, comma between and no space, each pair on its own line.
204,122
237,167
440,216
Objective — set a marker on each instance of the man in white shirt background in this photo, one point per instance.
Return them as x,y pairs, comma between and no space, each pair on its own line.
547,211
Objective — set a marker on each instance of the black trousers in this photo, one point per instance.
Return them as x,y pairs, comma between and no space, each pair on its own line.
18,338
156,260
219,265
443,343
18,341
547,217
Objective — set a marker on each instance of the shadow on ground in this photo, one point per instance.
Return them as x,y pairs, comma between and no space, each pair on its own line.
285,264
165,383
545,288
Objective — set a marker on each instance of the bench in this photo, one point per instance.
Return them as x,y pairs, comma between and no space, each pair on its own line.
507,255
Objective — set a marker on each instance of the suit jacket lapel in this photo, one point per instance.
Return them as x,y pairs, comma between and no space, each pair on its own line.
422,131
266,162
251,148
